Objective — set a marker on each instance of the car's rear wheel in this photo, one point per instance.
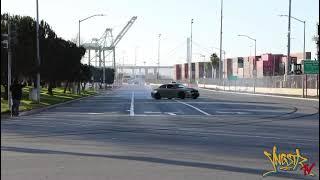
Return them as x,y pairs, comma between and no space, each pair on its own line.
182,95
157,96
195,96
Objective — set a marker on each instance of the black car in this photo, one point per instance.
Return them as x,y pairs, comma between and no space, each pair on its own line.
174,90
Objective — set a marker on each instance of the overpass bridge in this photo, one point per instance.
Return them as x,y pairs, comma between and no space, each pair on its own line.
149,72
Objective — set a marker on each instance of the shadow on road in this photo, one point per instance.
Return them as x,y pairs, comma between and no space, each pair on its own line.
154,160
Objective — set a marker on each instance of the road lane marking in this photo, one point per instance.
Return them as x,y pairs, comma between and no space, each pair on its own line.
225,112
150,112
170,113
132,105
205,113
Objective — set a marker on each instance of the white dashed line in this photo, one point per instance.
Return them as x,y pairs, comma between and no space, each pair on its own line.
132,105
172,114
225,112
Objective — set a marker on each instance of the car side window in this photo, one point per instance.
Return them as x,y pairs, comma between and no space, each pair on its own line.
170,86
162,86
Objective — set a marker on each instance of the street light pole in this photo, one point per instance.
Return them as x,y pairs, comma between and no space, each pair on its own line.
255,52
79,35
304,33
289,29
38,55
84,20
304,40
158,56
220,59
190,62
255,56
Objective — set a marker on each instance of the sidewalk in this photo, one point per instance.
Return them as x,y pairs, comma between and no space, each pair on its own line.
38,110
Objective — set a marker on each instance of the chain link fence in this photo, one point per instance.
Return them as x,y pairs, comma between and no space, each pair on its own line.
291,81
292,84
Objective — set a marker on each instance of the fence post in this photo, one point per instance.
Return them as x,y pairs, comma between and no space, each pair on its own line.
254,85
317,84
302,80
306,86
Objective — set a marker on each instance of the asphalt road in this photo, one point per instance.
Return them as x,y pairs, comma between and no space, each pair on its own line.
125,134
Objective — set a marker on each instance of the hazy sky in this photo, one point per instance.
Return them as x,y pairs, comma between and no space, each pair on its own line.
256,18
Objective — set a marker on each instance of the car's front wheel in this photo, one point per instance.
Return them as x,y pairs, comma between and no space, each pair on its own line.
157,96
195,96
182,95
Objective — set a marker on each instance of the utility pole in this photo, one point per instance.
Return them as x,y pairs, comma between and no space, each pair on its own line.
9,63
158,56
104,67
188,59
220,59
135,61
289,29
38,57
304,33
190,62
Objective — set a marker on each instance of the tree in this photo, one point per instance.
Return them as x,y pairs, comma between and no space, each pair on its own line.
214,59
316,40
60,59
85,75
109,74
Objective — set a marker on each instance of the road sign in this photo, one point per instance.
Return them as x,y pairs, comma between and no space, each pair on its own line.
233,77
311,67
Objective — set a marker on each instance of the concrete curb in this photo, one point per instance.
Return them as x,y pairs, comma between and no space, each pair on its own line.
38,110
259,94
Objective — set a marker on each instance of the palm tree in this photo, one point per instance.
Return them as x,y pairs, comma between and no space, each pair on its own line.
214,59
316,40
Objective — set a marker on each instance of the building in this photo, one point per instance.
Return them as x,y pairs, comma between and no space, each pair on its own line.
243,67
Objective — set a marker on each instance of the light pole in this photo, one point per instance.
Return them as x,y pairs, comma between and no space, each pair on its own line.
159,35
189,65
204,68
255,53
220,68
304,33
86,19
135,60
289,39
38,55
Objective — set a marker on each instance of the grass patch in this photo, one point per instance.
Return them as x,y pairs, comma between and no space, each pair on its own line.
45,99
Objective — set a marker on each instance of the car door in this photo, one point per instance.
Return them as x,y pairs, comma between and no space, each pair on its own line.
163,90
170,91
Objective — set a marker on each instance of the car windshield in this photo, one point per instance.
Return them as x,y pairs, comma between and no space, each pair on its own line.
181,86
